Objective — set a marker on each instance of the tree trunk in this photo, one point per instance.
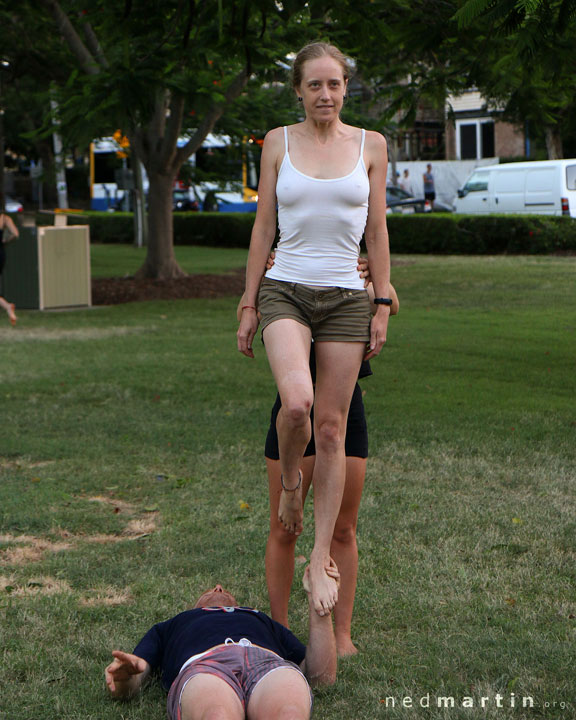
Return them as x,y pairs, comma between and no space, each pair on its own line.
553,142
160,262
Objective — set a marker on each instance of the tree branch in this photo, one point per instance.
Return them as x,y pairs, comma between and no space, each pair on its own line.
68,32
94,45
210,118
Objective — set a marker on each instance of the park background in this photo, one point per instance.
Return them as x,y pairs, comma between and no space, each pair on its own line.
131,460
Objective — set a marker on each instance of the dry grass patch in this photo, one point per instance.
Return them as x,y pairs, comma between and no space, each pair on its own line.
82,334
107,597
120,506
40,585
141,526
20,464
32,551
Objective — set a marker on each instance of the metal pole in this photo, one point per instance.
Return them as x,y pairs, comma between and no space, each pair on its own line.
3,64
61,186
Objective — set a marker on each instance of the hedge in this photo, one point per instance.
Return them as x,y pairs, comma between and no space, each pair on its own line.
434,233
481,234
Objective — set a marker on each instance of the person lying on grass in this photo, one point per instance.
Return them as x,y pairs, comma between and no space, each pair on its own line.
223,660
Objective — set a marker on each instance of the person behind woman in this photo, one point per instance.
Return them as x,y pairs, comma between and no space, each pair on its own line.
6,224
329,182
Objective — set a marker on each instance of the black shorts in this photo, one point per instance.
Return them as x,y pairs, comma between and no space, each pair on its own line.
356,430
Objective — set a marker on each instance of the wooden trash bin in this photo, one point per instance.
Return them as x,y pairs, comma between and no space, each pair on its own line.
49,267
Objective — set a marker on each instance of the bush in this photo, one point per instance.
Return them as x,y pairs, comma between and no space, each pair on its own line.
433,233
213,229
481,234
117,227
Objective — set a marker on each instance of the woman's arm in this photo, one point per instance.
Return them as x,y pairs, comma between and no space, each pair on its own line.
376,235
263,234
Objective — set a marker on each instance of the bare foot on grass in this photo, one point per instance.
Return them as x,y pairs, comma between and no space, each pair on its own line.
290,508
12,314
345,646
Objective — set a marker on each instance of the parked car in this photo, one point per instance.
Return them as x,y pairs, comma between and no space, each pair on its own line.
11,205
400,201
181,202
545,187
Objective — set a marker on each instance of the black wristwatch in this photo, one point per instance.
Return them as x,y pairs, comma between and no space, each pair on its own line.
383,301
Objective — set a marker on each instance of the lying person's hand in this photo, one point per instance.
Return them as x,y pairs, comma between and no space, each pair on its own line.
123,668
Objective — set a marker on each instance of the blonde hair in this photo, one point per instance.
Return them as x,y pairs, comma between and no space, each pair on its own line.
316,50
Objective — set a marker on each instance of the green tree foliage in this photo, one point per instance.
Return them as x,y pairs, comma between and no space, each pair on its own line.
528,65
159,70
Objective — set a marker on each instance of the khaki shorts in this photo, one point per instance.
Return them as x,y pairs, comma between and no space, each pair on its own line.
333,314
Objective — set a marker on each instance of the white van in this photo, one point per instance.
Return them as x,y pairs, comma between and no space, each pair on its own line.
546,187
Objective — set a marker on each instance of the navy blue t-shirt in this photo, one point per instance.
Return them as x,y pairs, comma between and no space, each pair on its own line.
168,645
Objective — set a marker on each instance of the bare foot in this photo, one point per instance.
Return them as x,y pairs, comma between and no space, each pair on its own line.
345,646
323,588
290,508
12,314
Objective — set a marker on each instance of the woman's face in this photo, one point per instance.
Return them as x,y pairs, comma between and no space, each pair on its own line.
322,89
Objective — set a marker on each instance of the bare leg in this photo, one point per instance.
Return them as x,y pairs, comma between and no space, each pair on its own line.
10,308
208,697
344,550
281,543
288,349
337,365
281,695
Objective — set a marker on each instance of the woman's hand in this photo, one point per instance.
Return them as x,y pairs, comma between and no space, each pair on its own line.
378,329
248,326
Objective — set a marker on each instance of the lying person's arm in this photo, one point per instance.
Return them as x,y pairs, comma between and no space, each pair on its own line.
126,674
321,661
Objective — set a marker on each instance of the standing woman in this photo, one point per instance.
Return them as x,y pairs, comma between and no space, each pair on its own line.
328,180
6,223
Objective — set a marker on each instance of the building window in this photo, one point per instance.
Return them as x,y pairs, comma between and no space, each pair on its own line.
474,139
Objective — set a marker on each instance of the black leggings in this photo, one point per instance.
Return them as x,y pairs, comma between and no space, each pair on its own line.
356,430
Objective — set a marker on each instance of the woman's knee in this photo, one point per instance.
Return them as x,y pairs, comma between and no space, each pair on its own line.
295,411
345,533
329,435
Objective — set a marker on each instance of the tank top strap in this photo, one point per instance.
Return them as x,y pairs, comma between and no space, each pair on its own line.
286,139
362,143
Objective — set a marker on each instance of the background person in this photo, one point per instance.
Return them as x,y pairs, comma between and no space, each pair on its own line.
230,662
407,183
429,187
329,182
7,226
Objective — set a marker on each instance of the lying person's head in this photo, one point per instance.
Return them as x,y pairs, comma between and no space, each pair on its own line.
216,597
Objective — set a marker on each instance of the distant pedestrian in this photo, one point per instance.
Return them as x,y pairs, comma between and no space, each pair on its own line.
7,226
429,188
406,183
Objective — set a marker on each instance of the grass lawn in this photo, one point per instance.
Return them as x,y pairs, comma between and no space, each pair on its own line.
119,260
132,476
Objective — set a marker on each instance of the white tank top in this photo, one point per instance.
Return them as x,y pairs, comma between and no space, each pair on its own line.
321,224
